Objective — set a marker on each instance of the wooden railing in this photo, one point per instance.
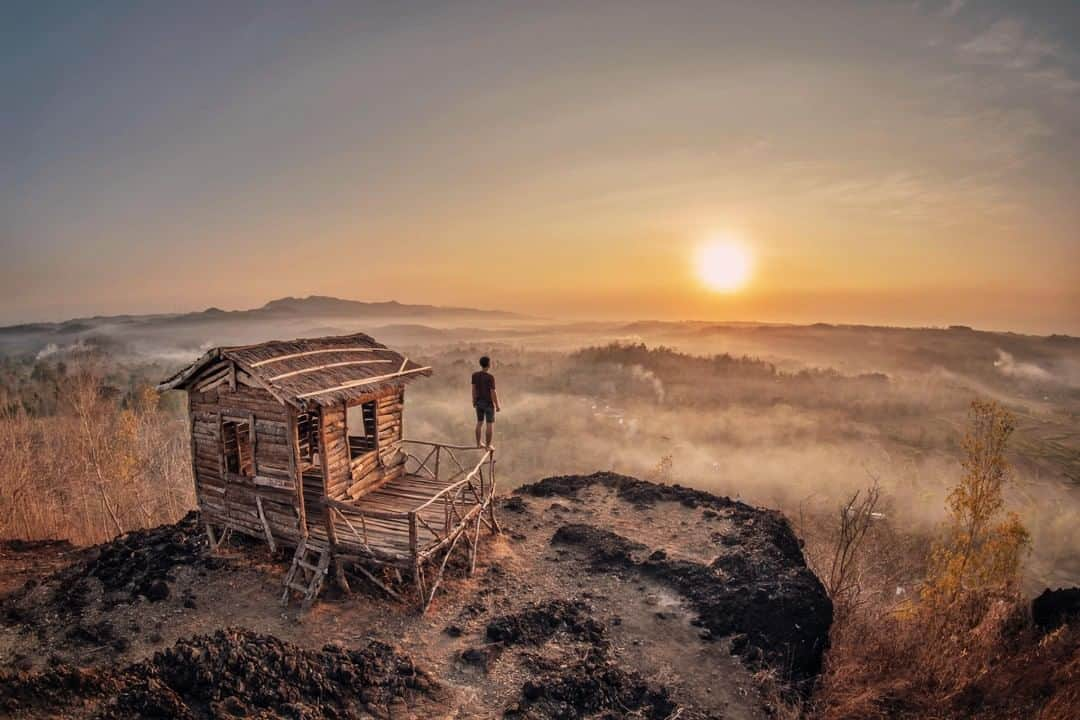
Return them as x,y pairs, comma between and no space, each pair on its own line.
466,490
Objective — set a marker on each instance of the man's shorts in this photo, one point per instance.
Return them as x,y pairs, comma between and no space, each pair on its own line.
485,411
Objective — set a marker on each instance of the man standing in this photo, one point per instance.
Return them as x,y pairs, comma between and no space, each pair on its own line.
485,399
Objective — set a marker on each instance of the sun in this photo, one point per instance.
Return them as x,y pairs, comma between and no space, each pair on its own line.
724,265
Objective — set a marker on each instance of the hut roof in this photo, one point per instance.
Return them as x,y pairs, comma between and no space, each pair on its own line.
323,371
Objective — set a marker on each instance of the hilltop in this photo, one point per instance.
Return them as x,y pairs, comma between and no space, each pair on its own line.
605,597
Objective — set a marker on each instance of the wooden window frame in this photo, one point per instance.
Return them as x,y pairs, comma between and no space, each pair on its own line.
238,418
371,432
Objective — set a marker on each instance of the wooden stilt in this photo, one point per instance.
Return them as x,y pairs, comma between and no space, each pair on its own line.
475,543
428,597
339,576
265,525
378,583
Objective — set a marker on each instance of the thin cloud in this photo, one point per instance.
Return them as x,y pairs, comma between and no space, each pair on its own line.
1009,45
953,8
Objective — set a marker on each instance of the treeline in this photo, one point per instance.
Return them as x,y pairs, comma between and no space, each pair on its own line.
705,382
87,454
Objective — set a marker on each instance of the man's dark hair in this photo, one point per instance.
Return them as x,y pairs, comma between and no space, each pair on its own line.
485,362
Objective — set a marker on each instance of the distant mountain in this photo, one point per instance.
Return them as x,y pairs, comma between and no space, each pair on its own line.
322,306
284,317
332,306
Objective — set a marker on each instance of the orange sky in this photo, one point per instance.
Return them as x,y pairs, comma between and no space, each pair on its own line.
883,162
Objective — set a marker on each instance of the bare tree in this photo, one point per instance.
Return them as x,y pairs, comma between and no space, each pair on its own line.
842,580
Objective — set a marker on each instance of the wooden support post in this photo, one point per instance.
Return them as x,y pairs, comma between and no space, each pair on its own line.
475,543
495,529
412,535
339,576
191,447
331,534
418,572
295,472
376,582
265,525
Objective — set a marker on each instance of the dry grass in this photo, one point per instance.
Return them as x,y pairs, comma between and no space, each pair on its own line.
96,468
882,666
964,647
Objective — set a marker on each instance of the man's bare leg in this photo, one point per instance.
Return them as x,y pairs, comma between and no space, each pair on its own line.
479,425
490,432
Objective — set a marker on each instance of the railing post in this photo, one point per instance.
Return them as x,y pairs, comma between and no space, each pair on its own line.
438,451
412,533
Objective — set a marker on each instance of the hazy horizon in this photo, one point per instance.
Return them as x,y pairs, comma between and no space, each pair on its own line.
888,163
841,319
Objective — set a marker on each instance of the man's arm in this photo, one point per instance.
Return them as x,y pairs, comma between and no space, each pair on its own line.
495,399
474,390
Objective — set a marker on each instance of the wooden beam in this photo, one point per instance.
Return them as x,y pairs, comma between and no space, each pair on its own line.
378,583
317,368
362,381
290,356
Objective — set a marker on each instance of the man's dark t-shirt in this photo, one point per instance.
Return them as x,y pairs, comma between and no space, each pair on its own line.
484,383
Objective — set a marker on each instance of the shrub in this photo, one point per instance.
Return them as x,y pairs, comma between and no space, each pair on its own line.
978,560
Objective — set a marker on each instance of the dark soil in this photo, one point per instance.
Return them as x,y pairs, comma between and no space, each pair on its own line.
592,687
139,563
515,503
757,590
231,673
580,682
17,546
638,492
537,623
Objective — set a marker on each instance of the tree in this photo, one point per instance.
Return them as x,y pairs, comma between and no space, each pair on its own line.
980,555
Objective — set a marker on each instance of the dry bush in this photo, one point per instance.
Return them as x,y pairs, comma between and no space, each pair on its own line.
962,647
979,558
843,574
96,468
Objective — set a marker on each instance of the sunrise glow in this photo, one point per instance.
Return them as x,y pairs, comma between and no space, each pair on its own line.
724,265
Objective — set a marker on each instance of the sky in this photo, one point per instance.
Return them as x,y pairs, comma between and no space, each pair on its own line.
909,163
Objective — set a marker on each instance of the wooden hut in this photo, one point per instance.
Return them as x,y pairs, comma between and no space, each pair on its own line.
301,443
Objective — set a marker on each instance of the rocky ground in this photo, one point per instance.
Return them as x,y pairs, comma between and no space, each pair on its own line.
605,597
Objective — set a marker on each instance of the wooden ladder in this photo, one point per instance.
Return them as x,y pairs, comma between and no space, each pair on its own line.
305,569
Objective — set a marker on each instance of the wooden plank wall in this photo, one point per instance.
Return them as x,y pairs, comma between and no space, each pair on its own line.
373,470
336,449
228,498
